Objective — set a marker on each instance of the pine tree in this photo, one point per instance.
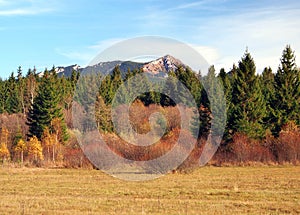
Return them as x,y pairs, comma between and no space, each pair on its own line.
2,96
116,79
213,105
103,115
106,90
21,90
45,106
190,80
287,88
225,79
171,92
12,103
268,90
247,100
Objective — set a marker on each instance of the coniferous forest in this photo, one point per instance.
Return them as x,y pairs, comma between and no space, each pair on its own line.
262,111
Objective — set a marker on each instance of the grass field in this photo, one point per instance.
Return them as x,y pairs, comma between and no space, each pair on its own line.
209,190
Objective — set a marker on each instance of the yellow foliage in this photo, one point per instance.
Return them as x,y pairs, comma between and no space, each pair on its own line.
35,148
21,146
4,135
56,125
4,152
48,139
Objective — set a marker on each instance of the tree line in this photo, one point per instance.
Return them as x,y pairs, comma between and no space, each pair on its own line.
262,110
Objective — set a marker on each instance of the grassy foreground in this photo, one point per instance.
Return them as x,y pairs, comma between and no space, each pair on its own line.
209,190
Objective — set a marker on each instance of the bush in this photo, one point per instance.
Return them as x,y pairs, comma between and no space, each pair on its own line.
287,146
247,150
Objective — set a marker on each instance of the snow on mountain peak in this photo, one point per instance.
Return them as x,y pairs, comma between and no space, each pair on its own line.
164,64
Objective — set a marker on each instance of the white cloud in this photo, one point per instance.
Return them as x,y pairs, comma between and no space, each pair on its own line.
264,31
210,54
4,2
190,5
81,57
226,30
102,45
85,55
26,7
25,11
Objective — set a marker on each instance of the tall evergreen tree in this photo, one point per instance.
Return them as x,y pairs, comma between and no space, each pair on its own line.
287,87
45,107
225,79
2,96
21,90
247,100
12,103
190,80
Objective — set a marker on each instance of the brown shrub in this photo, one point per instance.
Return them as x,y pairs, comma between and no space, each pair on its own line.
287,147
75,158
246,149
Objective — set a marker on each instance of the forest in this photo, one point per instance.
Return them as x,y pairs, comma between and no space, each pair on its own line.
262,114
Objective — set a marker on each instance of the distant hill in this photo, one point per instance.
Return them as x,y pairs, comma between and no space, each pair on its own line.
158,67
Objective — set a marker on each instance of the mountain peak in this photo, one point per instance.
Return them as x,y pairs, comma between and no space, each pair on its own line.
163,64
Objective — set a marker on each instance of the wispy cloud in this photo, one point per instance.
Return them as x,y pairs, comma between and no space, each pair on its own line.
4,2
265,31
228,27
82,57
190,5
210,54
101,45
24,11
85,55
25,7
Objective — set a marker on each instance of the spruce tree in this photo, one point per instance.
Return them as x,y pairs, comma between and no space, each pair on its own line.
45,107
170,90
2,96
287,88
213,110
21,90
106,90
225,79
247,100
13,100
191,81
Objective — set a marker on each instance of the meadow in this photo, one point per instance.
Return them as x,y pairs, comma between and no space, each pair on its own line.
207,190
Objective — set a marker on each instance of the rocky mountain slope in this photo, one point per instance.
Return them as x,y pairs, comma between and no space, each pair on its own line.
158,67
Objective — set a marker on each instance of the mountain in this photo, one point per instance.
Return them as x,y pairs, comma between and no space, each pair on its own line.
67,71
158,67
103,67
162,65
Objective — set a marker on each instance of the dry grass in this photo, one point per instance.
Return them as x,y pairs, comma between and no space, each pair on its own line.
209,190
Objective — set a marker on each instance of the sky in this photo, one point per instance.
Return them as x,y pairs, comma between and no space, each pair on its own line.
43,33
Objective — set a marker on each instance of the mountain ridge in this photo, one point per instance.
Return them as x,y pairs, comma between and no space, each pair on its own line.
159,67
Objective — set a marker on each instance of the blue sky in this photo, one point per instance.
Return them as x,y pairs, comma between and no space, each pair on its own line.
63,32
